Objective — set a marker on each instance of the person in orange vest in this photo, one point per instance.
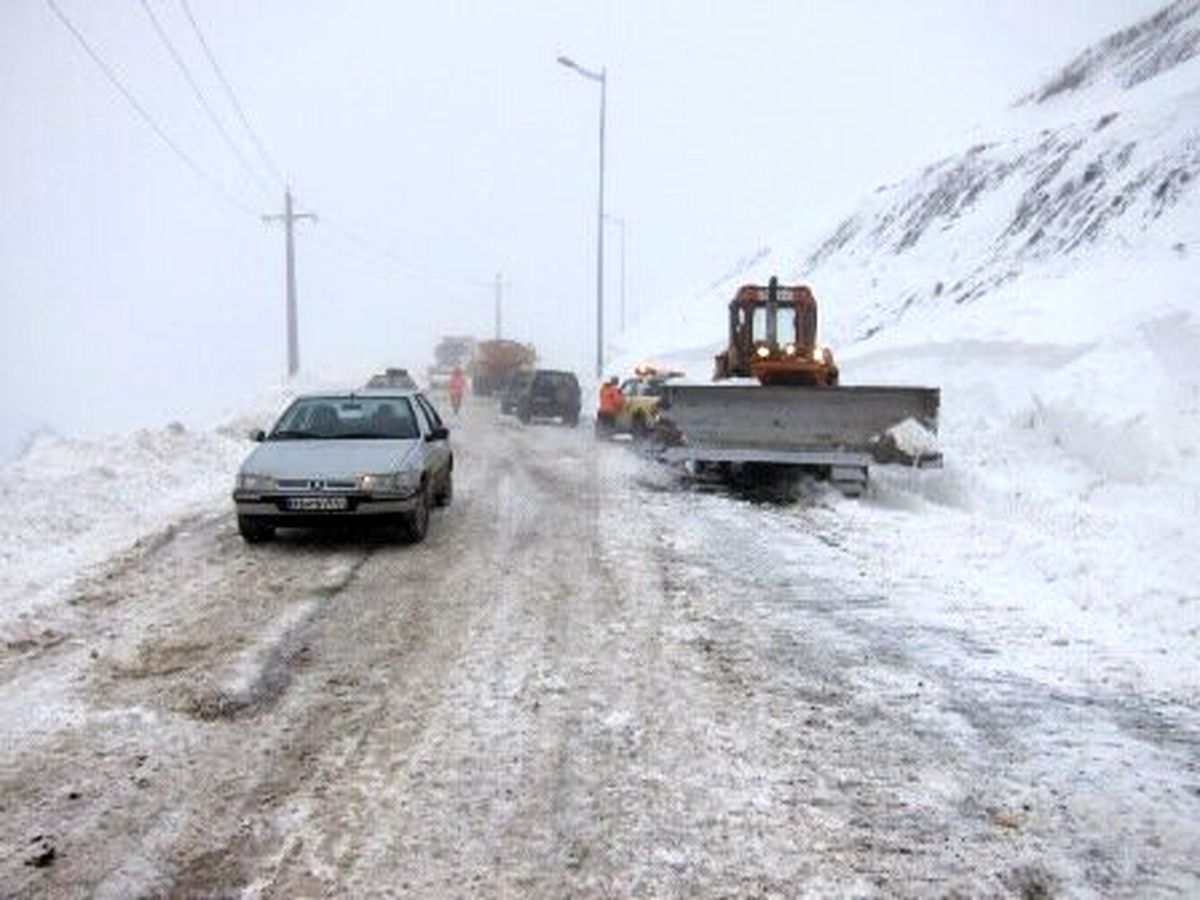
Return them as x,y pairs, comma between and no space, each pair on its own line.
611,401
458,387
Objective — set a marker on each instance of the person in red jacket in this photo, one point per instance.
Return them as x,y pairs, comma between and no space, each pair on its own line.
458,387
611,400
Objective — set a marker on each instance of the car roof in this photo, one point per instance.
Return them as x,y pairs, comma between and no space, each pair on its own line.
361,392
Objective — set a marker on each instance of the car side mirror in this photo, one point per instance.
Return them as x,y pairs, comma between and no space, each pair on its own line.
258,435
438,434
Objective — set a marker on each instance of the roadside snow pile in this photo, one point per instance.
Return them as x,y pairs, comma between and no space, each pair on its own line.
73,503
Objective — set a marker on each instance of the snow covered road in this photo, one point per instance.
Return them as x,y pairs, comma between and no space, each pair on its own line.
589,681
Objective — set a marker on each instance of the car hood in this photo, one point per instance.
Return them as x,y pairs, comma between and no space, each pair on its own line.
330,458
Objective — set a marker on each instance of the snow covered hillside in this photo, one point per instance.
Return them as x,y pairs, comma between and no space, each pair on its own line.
1047,278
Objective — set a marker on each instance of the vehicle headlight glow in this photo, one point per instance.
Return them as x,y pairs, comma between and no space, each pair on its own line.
250,481
389,483
763,352
789,349
819,354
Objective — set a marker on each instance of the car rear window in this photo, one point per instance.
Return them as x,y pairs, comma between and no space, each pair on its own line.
556,379
347,418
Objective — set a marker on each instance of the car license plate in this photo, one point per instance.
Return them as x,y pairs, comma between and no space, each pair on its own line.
317,504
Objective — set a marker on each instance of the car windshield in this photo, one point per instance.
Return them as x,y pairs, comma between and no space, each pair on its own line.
347,418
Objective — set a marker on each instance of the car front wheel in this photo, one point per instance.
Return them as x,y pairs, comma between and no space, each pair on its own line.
254,530
446,494
416,523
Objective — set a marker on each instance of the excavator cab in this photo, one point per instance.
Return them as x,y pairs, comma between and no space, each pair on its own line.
773,338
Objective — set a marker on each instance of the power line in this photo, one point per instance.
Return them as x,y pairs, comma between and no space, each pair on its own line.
377,249
364,243
144,115
230,94
372,254
202,100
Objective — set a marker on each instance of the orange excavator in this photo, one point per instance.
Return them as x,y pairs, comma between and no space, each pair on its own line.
773,337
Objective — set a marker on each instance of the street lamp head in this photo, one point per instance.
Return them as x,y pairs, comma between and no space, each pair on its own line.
586,73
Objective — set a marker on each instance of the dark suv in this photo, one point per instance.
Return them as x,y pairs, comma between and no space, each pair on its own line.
549,394
517,384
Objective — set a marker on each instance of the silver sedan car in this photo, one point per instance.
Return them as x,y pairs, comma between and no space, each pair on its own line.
372,455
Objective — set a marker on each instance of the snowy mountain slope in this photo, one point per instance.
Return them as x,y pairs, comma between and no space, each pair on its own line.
1117,173
1131,56
969,225
1047,277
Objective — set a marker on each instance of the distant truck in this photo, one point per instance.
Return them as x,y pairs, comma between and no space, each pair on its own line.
453,351
496,361
392,378
450,352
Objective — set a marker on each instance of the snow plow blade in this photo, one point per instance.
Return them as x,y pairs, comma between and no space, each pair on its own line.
814,426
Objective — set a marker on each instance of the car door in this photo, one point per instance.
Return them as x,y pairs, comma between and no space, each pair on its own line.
437,449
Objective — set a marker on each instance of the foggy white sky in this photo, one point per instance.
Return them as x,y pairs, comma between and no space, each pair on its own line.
133,294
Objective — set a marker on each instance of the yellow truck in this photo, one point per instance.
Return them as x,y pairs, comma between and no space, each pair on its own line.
640,395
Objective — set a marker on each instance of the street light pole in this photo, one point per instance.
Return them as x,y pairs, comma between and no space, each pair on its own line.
620,223
602,78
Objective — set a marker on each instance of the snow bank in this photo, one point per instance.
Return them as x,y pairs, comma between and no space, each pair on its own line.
73,503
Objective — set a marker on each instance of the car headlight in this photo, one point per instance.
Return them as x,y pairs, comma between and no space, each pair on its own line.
249,481
763,352
819,354
789,349
390,483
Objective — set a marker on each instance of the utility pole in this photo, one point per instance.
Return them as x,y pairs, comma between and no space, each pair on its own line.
499,290
289,218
